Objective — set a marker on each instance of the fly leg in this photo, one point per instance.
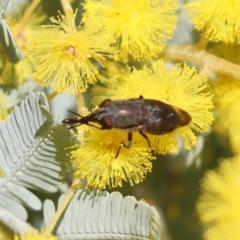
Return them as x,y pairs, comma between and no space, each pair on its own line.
124,145
146,137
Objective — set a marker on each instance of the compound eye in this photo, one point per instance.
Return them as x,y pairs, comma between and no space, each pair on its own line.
106,122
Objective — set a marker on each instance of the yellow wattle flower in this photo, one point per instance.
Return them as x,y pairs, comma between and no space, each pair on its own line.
234,126
179,86
226,93
5,232
218,205
95,158
3,106
141,27
217,20
62,54
227,99
34,236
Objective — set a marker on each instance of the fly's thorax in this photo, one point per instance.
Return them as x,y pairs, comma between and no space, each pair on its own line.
126,114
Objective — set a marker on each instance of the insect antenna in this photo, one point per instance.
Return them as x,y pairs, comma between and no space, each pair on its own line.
75,113
75,122
74,126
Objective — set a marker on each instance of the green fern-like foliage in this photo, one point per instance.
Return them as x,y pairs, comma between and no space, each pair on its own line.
7,40
102,215
34,154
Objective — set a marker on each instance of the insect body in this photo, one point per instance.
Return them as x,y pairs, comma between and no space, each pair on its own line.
135,114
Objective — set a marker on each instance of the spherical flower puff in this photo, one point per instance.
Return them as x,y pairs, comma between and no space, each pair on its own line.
234,126
227,100
34,236
112,77
142,27
3,106
226,95
13,73
218,20
5,232
180,86
218,205
62,54
95,158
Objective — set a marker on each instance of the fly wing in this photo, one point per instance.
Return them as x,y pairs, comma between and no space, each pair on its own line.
163,118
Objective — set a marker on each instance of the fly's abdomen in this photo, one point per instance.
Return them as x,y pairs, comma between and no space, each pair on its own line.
164,118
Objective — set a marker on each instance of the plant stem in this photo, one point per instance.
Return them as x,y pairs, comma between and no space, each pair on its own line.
66,5
51,96
75,185
202,43
28,12
192,54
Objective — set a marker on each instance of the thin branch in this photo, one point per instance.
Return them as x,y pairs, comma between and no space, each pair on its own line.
51,96
28,12
205,71
202,44
75,185
190,53
66,5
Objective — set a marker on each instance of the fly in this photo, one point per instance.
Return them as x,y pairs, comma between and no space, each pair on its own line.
134,114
